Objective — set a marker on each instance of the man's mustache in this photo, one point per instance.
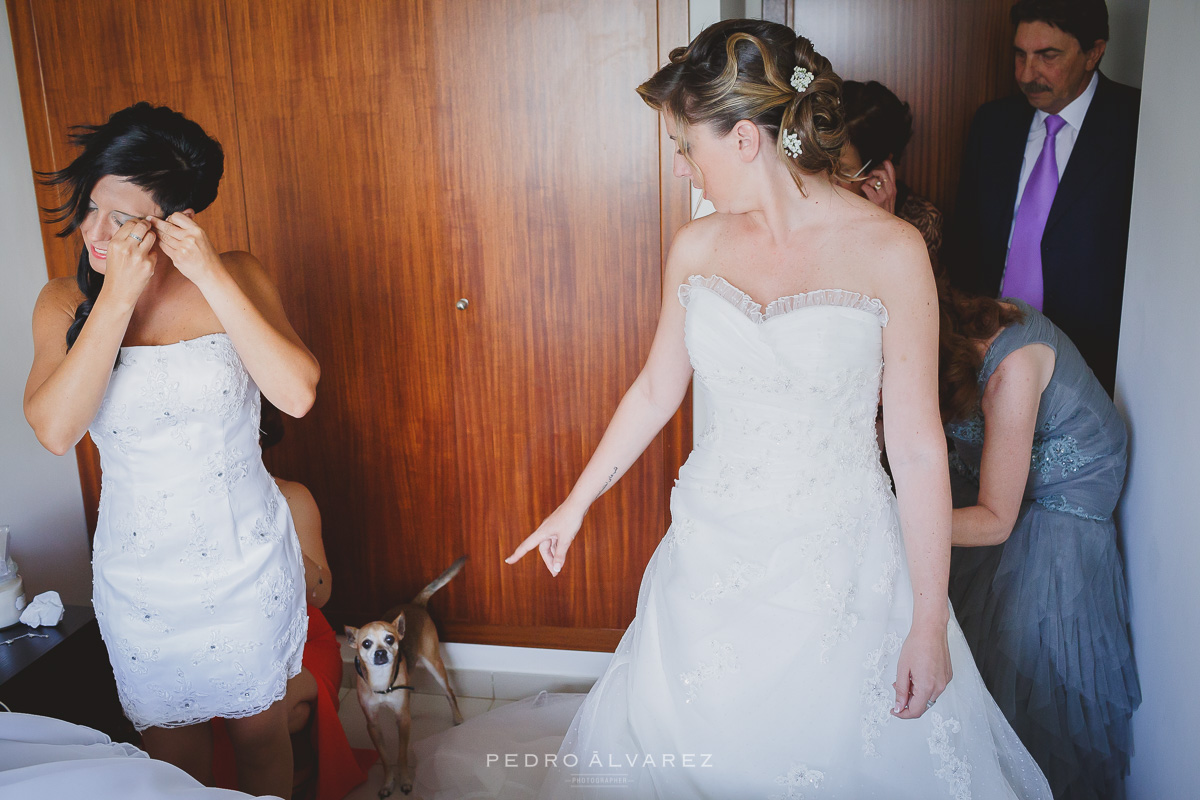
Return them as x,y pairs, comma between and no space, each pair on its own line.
1030,88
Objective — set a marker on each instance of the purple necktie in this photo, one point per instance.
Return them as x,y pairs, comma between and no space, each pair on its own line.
1023,272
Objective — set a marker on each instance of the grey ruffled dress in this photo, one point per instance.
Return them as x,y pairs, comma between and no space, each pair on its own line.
1046,613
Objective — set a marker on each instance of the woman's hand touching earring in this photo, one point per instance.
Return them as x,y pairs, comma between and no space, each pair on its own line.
130,262
880,186
187,245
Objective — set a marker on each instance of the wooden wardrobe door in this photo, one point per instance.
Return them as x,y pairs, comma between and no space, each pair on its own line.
399,157
337,119
944,57
551,181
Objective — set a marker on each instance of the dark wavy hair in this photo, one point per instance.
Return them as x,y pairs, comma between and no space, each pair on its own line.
878,123
152,147
1086,20
965,320
742,69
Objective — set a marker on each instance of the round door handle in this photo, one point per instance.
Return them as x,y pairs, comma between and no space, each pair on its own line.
462,304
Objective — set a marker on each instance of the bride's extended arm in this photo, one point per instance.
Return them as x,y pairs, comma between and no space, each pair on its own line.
916,450
646,407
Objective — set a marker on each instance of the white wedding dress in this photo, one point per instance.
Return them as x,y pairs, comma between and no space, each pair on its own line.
198,581
770,618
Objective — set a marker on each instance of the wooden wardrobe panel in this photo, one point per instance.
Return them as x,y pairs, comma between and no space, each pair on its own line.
335,111
399,157
944,57
551,195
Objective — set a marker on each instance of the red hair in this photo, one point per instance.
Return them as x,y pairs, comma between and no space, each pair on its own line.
966,320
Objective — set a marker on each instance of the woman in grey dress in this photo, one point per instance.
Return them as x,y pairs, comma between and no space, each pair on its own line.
1037,464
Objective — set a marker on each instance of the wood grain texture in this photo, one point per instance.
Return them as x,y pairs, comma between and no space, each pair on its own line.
604,640
399,157
339,176
944,57
384,160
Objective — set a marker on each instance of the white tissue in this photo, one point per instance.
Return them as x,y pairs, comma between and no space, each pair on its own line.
45,609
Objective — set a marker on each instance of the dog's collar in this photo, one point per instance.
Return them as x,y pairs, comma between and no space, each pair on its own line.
392,685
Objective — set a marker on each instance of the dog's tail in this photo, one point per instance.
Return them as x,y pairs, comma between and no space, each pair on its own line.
438,582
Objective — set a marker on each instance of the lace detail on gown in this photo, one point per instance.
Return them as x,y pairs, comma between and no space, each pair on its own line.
738,577
723,662
876,694
198,579
796,780
954,770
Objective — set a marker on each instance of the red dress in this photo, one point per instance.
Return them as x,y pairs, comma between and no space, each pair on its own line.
339,767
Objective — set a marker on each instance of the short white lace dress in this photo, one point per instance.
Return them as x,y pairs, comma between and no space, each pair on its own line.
198,581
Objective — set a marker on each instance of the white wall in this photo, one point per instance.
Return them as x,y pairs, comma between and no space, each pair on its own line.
40,497
1158,381
739,9
1126,41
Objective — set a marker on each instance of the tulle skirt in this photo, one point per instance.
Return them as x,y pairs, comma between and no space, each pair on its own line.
759,664
1046,615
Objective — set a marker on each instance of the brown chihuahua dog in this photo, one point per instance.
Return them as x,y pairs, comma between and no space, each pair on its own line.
384,654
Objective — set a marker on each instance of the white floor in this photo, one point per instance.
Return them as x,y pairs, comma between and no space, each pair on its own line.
483,677
430,715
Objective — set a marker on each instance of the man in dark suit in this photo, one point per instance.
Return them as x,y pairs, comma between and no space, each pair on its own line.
1047,178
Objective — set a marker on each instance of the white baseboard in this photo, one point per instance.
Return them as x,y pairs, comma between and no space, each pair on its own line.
503,673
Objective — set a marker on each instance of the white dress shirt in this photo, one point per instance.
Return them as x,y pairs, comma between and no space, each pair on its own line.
1064,143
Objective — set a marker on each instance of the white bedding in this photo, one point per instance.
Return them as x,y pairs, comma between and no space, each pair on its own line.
45,757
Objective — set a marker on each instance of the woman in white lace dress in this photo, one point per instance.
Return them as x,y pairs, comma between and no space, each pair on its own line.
793,636
159,348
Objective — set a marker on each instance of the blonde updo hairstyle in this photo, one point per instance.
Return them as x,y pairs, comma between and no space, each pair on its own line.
741,69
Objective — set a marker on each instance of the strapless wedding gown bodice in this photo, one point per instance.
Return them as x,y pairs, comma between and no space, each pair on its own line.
771,617
787,439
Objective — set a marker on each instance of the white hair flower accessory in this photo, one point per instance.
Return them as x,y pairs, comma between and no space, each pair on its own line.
791,143
801,78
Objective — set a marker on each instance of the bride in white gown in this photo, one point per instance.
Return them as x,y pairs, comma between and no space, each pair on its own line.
793,638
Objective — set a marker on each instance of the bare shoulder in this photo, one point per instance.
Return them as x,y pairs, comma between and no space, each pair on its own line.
895,266
701,236
1023,372
879,251
694,246
295,493
249,273
243,265
57,302
306,517
61,293
899,253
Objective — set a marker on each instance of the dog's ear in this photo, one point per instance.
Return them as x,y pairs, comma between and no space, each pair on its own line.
398,624
351,636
